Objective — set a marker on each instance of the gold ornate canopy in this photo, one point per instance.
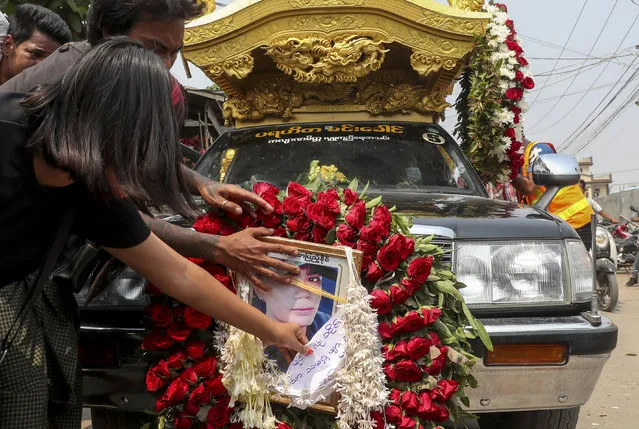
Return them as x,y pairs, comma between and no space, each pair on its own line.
317,60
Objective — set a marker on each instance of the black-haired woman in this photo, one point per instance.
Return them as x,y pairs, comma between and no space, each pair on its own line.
81,143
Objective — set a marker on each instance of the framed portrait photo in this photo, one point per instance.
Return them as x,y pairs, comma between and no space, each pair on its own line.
310,301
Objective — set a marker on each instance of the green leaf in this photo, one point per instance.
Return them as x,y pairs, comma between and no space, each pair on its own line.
478,327
374,202
146,426
72,6
353,185
162,422
331,236
440,299
446,286
361,194
464,400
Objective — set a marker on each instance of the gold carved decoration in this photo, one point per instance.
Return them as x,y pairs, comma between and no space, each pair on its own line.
425,64
451,23
327,22
322,60
238,67
379,94
315,3
472,5
196,34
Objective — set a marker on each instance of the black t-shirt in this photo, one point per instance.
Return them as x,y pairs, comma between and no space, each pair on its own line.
30,213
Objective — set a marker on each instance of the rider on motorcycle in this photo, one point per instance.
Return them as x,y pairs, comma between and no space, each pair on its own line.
594,205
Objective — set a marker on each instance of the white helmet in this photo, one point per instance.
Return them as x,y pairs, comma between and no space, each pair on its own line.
4,29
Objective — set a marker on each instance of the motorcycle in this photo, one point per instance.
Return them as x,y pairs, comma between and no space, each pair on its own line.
606,263
625,235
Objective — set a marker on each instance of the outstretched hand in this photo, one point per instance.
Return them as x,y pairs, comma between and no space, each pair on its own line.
288,336
246,254
232,198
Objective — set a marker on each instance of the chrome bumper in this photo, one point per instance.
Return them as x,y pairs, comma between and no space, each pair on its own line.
521,388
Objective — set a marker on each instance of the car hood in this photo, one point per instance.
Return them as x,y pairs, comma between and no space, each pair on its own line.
477,218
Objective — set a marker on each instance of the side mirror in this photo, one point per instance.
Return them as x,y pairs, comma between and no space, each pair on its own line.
554,171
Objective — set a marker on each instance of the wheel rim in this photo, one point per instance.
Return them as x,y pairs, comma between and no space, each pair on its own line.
603,293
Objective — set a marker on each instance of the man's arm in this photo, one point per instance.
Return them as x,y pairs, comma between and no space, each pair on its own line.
242,252
605,215
523,184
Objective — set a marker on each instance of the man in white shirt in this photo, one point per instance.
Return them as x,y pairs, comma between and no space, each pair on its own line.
595,206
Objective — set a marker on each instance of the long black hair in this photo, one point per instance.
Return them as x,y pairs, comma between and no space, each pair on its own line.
110,123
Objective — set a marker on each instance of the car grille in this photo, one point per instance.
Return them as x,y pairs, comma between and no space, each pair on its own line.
446,244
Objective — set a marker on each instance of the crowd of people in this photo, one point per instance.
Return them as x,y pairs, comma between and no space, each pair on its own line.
90,144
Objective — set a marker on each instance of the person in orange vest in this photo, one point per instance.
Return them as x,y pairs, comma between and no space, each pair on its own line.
570,204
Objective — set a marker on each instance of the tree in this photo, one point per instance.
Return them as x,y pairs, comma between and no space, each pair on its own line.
73,12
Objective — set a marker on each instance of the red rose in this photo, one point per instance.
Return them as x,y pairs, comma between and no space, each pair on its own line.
299,192
162,369
425,403
395,396
382,214
528,83
398,294
349,197
405,245
280,231
419,269
302,236
523,62
157,340
219,415
208,224
329,200
389,257
367,247
514,94
398,351
378,420
191,408
161,405
206,367
380,228
516,110
430,315
436,367
519,76
200,395
219,272
195,319
176,360
418,347
242,220
407,371
223,400
509,23
183,421
385,330
189,376
374,272
294,207
436,412
411,285
380,301
227,229
409,402
393,414
510,132
215,386
444,390
356,215
321,215
160,314
265,189
346,235
435,338
280,425
319,234
298,224
176,392
179,331
516,119
271,221
178,313
370,234
407,423
412,322
153,381
195,349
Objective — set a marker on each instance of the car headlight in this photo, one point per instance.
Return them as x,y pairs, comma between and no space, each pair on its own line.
601,238
128,289
580,270
511,273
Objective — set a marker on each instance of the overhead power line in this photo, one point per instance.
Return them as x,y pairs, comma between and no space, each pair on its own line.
554,106
605,85
581,129
562,50
571,110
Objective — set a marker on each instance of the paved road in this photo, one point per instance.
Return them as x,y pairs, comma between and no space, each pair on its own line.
614,403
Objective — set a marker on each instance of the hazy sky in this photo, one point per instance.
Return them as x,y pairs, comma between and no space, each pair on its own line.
582,78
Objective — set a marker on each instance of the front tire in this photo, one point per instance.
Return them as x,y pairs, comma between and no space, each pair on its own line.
116,419
543,419
607,291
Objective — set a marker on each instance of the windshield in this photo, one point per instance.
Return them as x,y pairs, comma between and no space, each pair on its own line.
391,158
